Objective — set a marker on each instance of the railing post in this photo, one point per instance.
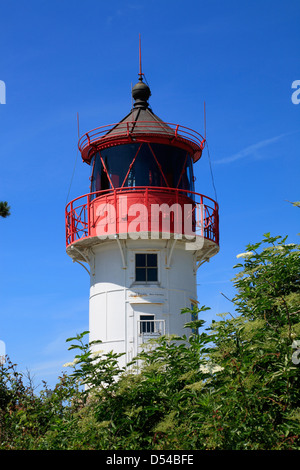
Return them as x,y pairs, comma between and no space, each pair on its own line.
147,208
72,223
88,214
202,208
216,223
116,212
67,226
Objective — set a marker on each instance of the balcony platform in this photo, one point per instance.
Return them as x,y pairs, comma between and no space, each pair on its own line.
146,213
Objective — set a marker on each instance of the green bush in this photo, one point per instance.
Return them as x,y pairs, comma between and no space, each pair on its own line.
234,385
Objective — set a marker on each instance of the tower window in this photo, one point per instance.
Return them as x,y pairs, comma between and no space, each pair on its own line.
147,324
146,269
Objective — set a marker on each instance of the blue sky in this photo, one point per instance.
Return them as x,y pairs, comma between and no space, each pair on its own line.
60,58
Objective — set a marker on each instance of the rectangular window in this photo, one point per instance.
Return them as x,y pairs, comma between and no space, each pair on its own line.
147,324
146,269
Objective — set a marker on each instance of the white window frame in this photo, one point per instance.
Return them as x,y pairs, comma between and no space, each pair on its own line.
147,283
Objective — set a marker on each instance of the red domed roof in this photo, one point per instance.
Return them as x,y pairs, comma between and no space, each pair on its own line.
141,125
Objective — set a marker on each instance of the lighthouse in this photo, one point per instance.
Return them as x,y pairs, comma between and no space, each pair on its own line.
141,231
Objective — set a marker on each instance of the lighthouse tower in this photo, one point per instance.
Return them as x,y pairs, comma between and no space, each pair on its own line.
142,231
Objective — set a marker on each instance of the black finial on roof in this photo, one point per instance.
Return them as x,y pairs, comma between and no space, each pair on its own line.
141,93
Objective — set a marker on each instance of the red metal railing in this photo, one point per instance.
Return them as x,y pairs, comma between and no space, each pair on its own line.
84,219
138,131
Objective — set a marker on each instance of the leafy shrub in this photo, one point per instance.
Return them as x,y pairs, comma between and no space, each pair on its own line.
234,385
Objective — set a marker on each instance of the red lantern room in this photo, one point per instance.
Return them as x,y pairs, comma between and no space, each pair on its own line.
145,161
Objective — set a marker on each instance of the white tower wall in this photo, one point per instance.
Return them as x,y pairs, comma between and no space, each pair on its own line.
117,301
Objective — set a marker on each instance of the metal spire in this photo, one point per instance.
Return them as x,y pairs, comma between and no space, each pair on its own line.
140,59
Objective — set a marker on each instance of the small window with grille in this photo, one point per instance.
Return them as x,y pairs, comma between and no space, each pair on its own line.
147,324
146,269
